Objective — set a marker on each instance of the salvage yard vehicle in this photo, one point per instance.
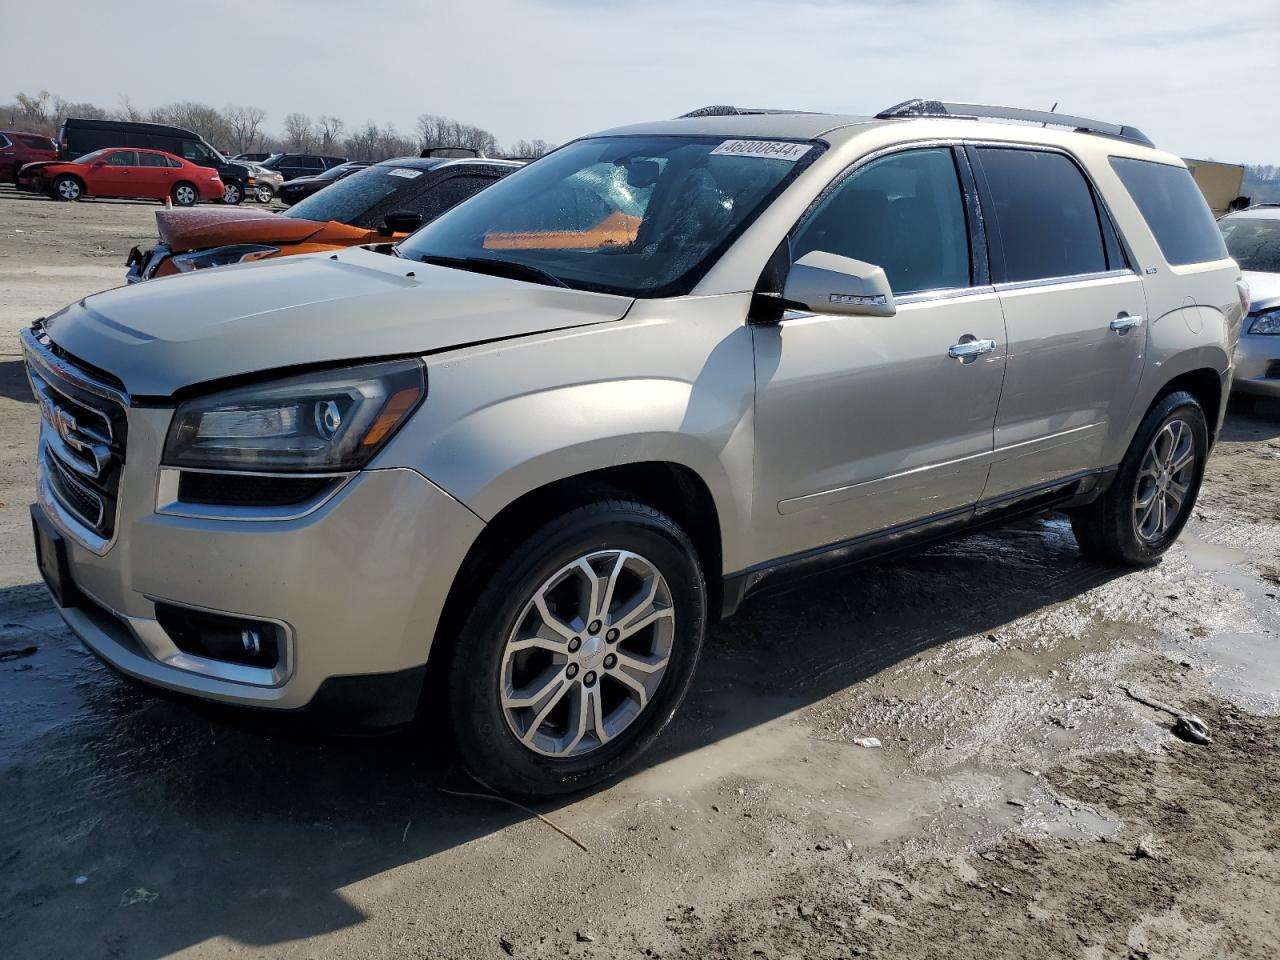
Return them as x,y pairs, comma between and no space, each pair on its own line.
134,174
291,165
18,149
381,204
515,469
79,137
1253,239
302,187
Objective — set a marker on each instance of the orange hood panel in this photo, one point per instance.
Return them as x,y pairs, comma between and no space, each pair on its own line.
183,230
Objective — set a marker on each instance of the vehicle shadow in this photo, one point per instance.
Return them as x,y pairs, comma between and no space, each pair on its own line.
252,834
1251,419
14,383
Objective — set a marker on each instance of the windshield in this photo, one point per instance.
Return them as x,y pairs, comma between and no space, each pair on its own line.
351,199
1254,243
639,216
89,157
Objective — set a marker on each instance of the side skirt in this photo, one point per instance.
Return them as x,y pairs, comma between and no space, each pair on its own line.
1074,491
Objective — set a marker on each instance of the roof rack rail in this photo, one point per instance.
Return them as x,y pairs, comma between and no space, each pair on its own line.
724,110
977,111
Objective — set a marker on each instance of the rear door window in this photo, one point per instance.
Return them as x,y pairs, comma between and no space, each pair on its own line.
1048,220
151,160
1174,209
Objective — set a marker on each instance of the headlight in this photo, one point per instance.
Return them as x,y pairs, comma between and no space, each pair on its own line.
1268,321
221,256
333,420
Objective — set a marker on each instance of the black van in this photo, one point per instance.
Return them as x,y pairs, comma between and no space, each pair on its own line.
79,137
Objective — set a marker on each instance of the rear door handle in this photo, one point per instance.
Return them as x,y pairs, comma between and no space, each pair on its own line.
1125,322
970,348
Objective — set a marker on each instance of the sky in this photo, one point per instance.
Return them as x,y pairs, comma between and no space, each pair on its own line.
1199,78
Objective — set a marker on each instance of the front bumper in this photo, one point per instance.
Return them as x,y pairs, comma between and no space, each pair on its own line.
356,581
1257,365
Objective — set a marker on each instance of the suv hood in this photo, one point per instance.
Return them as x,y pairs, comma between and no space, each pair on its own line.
1263,287
161,336
182,230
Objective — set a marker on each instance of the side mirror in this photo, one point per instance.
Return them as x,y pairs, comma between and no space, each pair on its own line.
97,163
829,283
400,222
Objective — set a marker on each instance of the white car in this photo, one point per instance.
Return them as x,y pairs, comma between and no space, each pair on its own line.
1253,239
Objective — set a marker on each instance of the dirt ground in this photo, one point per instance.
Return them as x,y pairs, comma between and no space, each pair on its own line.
1022,803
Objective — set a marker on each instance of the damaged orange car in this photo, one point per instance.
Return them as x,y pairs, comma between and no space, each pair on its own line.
380,204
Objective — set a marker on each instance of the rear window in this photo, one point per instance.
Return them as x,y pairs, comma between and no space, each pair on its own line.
37,143
1174,209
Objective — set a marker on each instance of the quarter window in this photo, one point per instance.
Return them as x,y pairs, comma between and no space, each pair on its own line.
1048,219
903,213
1174,209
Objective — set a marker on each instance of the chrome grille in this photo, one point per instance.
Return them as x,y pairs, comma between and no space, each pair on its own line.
82,438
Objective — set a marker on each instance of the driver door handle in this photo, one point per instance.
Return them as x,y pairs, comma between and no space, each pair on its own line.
969,349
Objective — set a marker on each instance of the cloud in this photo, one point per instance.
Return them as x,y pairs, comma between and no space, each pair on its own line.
1191,75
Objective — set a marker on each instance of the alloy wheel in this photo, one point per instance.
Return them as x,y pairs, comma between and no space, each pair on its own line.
1164,481
184,195
264,194
69,190
587,653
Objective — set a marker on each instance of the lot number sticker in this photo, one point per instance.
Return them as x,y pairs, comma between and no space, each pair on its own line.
765,149
405,172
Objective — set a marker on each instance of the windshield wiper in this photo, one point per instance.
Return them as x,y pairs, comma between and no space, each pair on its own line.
498,268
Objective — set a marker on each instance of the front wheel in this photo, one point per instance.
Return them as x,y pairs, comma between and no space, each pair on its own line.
578,650
67,187
232,193
1145,508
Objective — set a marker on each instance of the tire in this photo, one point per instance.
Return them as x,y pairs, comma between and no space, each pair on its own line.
579,660
67,187
232,192
1119,527
264,194
184,194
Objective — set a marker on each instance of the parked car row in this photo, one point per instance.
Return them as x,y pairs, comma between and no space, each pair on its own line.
380,203
516,463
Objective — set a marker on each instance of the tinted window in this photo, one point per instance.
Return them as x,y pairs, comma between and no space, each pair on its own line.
151,160
445,194
903,213
122,158
1174,209
1253,242
4,141
36,143
1047,218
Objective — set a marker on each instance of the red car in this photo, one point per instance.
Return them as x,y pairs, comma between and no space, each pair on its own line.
18,148
123,172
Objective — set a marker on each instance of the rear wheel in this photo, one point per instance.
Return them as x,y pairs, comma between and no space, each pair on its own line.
67,187
578,650
232,192
184,194
264,193
1145,508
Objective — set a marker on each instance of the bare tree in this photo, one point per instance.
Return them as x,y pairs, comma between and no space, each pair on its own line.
245,124
530,149
434,131
330,130
128,111
200,118
299,134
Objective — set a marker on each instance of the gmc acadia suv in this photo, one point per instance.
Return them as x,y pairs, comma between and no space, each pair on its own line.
517,467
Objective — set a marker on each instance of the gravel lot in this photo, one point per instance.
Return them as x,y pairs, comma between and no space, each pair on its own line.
1022,805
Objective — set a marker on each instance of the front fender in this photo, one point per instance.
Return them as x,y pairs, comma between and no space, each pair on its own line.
504,420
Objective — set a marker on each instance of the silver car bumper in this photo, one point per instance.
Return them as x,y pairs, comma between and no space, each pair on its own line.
1257,365
355,581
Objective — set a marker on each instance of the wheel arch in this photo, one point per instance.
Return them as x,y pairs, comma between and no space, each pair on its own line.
674,488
